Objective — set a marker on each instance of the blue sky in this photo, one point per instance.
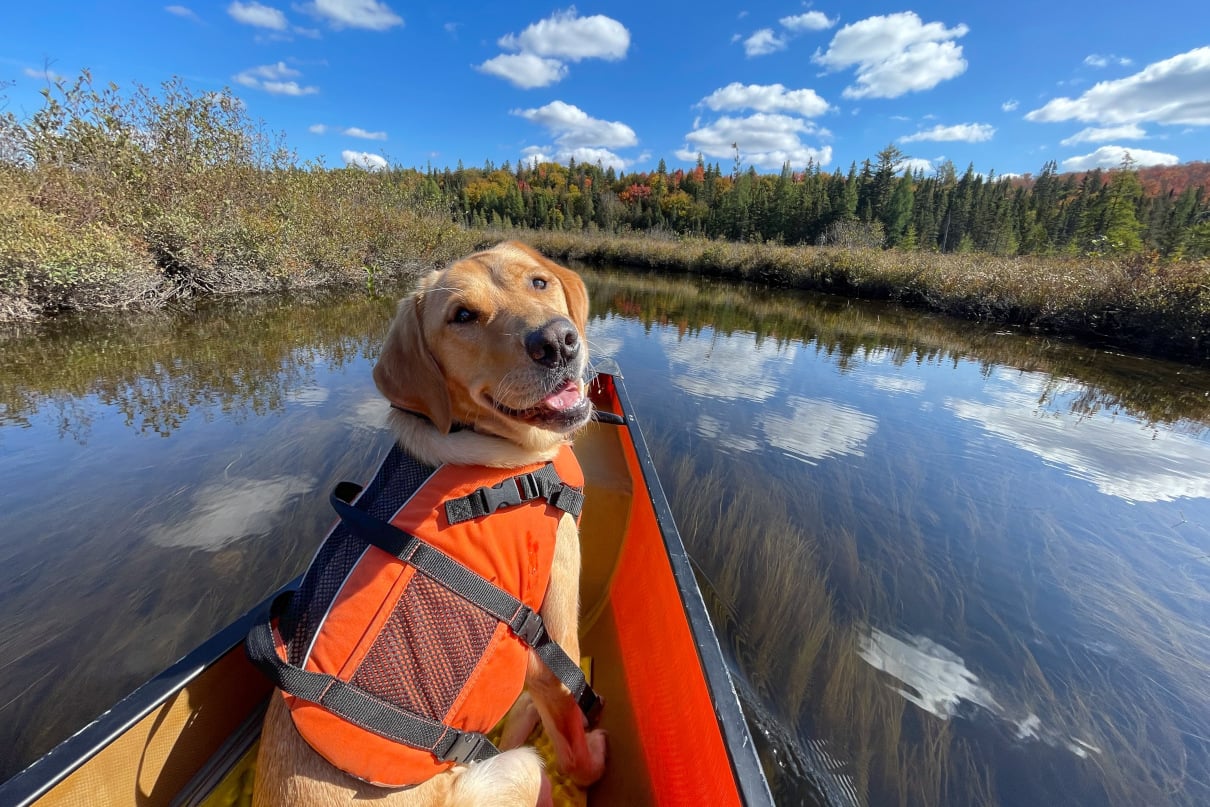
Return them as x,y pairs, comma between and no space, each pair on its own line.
1005,86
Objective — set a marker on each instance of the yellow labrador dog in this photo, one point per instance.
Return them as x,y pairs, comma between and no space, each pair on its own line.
484,365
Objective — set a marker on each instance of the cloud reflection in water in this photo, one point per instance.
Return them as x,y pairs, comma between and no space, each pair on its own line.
727,368
937,680
816,429
1119,455
230,509
310,395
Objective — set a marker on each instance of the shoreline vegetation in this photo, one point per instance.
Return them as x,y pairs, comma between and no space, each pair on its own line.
115,199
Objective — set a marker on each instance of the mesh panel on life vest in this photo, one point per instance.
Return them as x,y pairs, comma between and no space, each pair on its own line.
426,650
399,477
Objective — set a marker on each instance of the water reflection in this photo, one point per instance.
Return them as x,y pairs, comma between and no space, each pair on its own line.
816,429
833,466
180,459
714,366
933,677
863,468
879,372
937,680
1120,456
219,513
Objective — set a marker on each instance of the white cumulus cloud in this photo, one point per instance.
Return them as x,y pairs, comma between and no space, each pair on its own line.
258,15
357,131
895,54
367,14
570,38
572,127
763,42
962,132
525,70
1172,91
545,47
765,140
916,164
43,74
810,21
578,136
1112,156
183,11
363,159
1099,60
766,98
582,154
274,78
1102,134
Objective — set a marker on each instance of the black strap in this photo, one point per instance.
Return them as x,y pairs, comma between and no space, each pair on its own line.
601,416
358,706
543,483
522,620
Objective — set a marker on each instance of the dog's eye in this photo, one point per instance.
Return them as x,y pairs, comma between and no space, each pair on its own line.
539,283
463,316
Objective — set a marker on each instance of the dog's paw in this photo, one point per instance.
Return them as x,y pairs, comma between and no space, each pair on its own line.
593,767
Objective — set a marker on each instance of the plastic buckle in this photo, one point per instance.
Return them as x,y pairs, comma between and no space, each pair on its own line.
467,748
502,494
531,628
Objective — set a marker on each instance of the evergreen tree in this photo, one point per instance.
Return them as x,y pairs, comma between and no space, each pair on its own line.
1122,229
897,214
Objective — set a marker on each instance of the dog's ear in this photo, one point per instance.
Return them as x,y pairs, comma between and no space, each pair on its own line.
406,372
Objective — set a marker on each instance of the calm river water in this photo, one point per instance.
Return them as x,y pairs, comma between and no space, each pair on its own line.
950,565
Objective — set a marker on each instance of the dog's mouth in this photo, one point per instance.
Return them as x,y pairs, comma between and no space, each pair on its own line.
564,407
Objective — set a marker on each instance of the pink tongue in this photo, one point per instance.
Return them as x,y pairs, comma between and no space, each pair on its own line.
566,396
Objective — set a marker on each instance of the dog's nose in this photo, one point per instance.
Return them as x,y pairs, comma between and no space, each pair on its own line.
554,344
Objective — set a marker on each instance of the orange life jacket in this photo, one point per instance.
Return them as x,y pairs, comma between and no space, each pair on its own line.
412,629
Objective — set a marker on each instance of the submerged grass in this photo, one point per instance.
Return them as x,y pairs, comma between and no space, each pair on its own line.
797,604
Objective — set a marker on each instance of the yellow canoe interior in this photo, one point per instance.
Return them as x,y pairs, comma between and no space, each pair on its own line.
666,741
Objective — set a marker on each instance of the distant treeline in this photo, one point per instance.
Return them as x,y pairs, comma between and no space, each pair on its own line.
875,204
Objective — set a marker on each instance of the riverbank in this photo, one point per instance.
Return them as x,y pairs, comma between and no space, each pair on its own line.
1148,306
1133,302
70,243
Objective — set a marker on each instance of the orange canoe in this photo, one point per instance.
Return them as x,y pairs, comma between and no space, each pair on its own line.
677,735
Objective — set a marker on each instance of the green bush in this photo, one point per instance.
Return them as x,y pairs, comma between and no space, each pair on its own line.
52,264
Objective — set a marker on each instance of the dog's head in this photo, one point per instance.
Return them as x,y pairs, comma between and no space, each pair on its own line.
494,341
